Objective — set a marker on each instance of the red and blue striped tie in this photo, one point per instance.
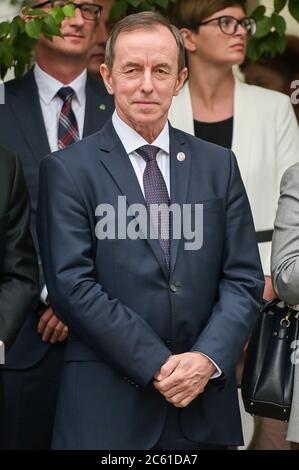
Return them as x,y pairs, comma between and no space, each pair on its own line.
68,131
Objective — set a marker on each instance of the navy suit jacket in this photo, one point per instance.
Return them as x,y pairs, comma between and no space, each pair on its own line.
126,313
22,130
18,263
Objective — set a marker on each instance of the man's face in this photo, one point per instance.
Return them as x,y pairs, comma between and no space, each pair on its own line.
97,52
77,32
144,76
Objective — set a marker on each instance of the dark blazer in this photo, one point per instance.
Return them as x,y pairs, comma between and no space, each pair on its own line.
18,262
126,313
22,129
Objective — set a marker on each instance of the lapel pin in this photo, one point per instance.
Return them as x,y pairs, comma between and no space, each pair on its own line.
181,156
102,107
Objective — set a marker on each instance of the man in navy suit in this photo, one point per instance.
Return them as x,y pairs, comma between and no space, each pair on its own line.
18,263
157,318
29,123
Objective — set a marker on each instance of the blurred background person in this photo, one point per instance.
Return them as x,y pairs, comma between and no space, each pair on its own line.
285,269
97,51
258,124
18,263
276,73
53,105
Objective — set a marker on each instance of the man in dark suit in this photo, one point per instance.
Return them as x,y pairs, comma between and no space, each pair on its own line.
18,263
96,55
156,324
33,122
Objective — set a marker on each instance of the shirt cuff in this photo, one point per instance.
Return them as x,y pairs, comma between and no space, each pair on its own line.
44,296
218,371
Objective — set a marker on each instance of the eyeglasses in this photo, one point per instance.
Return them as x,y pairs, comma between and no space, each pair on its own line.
229,24
89,11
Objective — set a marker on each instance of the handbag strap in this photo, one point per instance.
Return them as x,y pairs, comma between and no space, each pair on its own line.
288,309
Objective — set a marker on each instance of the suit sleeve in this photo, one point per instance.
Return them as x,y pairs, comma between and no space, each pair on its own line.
19,273
287,133
241,282
110,328
285,244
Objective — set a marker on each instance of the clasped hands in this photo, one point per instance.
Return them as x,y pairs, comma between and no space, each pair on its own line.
183,377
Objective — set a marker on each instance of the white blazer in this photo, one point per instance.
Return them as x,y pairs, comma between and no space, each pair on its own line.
265,142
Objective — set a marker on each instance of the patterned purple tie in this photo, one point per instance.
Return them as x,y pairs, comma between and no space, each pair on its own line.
67,125
155,192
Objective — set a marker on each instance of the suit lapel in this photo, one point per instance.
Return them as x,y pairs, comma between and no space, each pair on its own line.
27,110
179,181
117,163
99,106
243,137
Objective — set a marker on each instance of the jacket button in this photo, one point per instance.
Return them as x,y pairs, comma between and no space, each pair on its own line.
173,288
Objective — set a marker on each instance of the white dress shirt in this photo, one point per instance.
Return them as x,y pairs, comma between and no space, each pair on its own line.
131,141
51,104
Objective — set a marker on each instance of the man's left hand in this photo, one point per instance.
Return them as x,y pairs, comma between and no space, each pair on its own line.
191,373
51,328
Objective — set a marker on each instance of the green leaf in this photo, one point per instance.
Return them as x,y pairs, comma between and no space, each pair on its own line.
145,6
134,3
68,10
14,29
35,12
279,5
6,56
281,44
21,23
162,3
4,28
57,14
118,10
252,49
279,24
50,28
33,28
3,70
294,9
259,13
263,27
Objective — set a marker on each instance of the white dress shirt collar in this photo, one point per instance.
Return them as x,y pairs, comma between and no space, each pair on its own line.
48,86
131,140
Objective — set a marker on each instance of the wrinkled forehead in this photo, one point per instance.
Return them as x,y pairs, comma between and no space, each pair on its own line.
153,40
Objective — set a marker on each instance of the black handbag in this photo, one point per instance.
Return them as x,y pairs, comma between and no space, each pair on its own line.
268,375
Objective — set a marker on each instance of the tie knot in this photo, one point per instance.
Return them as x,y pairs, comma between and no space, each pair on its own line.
148,152
66,93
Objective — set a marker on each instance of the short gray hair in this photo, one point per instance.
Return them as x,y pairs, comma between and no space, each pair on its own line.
143,20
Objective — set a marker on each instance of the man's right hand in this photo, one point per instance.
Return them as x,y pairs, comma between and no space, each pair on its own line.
51,328
269,292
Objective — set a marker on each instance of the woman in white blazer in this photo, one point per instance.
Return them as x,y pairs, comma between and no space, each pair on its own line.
258,124
265,135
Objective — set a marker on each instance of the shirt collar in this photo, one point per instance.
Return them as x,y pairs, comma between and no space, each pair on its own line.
131,140
48,86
